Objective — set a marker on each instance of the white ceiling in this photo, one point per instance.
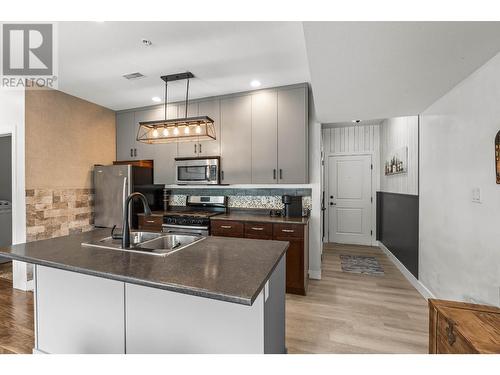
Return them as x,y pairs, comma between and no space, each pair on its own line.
224,57
359,70
368,70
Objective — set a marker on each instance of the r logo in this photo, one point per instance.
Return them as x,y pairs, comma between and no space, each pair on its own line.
27,49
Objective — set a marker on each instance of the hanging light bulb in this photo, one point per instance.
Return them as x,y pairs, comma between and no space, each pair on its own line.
155,133
165,132
176,131
198,129
186,130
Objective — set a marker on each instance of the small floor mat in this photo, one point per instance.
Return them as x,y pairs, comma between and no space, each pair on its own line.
361,264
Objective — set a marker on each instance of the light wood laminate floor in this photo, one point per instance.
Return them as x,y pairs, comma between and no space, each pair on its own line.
342,313
354,313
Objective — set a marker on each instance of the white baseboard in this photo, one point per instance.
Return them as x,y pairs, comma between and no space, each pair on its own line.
316,275
421,288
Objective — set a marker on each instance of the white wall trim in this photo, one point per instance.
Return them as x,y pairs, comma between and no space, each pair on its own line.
315,275
421,288
12,118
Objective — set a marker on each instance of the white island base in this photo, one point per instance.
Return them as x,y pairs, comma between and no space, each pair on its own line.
78,313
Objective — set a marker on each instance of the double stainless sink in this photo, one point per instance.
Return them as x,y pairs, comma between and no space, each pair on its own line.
160,244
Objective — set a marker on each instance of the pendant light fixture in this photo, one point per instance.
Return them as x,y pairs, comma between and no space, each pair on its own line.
183,129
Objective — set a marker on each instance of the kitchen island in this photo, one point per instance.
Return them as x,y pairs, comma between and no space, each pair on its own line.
219,295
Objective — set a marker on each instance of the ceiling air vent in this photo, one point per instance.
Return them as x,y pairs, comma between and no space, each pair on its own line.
136,75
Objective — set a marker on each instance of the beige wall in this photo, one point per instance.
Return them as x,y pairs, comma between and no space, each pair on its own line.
65,137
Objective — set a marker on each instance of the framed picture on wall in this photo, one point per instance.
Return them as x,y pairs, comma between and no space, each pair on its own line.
397,162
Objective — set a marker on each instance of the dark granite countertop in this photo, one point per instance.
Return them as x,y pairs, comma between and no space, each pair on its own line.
154,213
260,217
226,269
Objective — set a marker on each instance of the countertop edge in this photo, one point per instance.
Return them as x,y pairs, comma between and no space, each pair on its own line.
170,287
265,219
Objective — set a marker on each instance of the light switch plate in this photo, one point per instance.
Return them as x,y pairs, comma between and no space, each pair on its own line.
476,195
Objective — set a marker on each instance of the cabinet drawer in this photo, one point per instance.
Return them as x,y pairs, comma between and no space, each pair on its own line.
288,231
227,228
262,231
152,223
449,341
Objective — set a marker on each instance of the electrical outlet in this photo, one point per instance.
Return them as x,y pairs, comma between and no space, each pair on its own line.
476,195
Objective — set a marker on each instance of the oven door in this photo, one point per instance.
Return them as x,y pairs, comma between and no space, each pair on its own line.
200,171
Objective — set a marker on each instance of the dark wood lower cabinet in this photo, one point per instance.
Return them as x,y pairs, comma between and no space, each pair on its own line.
297,257
150,223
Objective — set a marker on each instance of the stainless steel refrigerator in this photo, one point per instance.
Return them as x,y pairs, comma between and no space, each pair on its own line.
112,185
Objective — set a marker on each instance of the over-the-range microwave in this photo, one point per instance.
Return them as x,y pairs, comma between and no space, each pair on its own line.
197,171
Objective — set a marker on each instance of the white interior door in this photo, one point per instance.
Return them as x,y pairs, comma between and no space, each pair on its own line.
349,199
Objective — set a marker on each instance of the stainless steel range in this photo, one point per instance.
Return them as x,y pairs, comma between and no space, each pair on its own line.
195,217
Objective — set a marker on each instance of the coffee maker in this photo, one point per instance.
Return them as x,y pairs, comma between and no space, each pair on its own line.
293,206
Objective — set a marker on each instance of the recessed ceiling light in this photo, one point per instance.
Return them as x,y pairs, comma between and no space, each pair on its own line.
156,99
255,83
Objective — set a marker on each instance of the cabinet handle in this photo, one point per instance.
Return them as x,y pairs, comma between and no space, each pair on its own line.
256,228
199,147
135,152
131,152
226,226
288,230
195,148
222,175
281,174
150,221
274,174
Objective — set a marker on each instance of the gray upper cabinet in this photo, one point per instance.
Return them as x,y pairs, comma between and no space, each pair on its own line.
144,150
261,136
187,149
165,153
292,136
265,137
210,108
236,134
125,136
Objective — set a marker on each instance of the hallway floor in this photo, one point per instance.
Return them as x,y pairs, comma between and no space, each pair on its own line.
356,313
342,313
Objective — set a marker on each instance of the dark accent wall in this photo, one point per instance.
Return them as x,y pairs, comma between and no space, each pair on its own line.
397,227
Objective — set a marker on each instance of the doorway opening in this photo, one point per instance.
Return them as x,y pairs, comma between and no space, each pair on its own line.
5,203
351,179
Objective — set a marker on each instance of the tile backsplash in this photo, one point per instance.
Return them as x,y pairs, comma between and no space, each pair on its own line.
248,201
58,212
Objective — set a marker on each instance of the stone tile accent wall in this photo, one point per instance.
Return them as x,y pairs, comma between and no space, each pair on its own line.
58,212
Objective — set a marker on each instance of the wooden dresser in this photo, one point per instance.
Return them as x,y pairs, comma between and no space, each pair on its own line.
463,328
